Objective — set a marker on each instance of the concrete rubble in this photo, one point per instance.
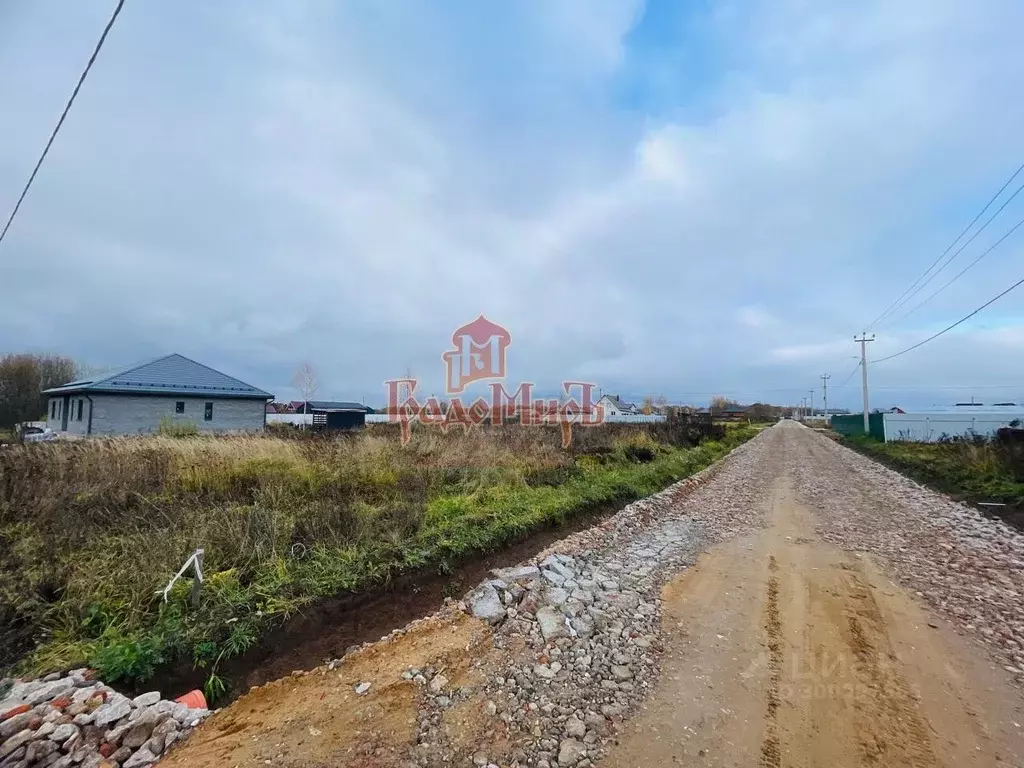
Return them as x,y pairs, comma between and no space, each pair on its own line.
74,720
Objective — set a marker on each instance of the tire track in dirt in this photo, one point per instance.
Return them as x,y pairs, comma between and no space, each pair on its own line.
771,754
898,718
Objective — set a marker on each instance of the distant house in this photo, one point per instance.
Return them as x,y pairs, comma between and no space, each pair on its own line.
733,413
614,406
138,399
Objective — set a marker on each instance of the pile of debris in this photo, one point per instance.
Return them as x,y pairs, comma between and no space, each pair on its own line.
74,720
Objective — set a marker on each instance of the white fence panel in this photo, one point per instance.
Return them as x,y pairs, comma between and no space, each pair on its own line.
640,418
929,427
298,419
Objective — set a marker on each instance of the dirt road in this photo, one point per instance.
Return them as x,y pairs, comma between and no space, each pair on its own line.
840,616
785,651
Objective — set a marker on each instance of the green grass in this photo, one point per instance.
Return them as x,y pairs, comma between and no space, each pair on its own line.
91,531
972,471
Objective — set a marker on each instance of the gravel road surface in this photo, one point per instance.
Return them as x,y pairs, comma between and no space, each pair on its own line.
795,604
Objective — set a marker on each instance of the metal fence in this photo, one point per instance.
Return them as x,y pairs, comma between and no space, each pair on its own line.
622,418
930,427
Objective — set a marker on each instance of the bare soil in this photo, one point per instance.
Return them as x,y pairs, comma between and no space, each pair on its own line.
318,719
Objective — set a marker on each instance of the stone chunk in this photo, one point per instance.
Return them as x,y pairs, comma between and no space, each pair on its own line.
155,745
63,732
39,750
554,577
17,723
552,623
575,728
620,672
555,596
517,573
626,600
552,563
146,699
570,752
17,740
112,711
485,603
166,728
438,683
140,759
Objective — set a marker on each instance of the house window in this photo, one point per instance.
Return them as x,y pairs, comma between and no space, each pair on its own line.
208,413
80,406
53,409
179,407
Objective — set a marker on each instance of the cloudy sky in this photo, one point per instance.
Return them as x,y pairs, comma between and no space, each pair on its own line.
689,199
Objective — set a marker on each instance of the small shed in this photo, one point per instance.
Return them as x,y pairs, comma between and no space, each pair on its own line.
336,414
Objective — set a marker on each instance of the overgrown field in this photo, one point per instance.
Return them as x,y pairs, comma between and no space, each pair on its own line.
972,470
90,531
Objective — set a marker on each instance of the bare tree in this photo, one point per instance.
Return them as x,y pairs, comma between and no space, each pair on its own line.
720,403
305,382
22,380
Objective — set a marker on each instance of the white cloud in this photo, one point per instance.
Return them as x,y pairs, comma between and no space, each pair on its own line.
348,185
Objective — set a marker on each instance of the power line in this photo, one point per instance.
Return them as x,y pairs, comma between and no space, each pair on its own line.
64,114
960,250
983,254
847,379
907,294
963,387
954,325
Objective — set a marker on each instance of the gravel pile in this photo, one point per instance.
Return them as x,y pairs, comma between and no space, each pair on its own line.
583,619
968,567
74,720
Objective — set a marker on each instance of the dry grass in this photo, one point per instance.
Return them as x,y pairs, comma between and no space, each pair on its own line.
90,530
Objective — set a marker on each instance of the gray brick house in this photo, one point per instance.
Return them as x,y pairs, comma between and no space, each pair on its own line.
137,400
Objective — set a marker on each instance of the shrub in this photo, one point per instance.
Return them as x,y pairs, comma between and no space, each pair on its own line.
171,428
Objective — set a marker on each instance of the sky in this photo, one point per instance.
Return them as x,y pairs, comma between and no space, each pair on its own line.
663,198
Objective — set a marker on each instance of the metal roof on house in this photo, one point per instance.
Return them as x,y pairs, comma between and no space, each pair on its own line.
169,375
619,403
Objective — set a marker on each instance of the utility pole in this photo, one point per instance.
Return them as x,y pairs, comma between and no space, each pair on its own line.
811,403
824,392
863,341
